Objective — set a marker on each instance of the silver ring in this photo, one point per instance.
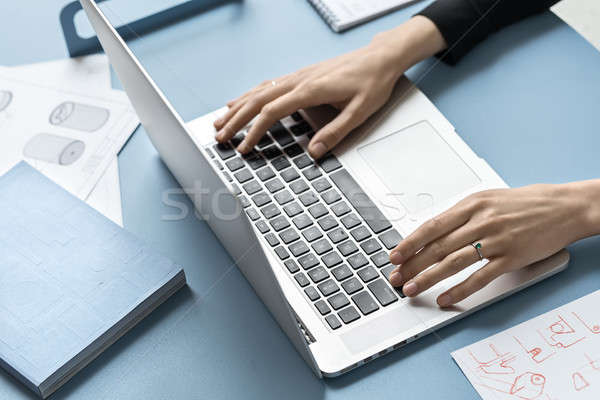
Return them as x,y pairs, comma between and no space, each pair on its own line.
477,247
273,83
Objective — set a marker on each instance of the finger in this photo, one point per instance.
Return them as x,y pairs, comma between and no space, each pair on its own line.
477,281
428,232
331,134
249,110
449,266
219,123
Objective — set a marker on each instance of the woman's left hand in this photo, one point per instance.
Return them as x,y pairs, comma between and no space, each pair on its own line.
515,228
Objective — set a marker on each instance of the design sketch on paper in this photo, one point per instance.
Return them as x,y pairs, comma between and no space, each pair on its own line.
54,149
79,116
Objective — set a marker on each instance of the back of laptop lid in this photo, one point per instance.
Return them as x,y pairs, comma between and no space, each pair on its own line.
170,137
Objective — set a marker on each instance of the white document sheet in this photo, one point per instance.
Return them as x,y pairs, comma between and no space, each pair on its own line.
555,356
70,137
106,196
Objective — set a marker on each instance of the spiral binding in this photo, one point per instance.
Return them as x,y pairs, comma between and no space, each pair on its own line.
325,12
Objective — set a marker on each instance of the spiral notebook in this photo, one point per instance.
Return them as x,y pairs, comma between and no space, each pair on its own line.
344,14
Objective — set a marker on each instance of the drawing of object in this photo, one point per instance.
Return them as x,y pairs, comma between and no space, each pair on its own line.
561,334
5,99
54,149
594,328
595,364
579,382
79,116
527,386
538,352
498,365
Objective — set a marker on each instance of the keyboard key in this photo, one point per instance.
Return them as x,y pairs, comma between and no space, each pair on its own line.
333,322
260,199
252,187
386,272
322,307
349,314
365,302
265,173
352,285
321,185
234,164
301,279
390,239
370,246
252,214
382,292
244,201
312,293
256,162
289,235
282,252
293,209
308,261
224,150
331,259
274,185
243,175
279,223
293,150
328,287
271,152
318,274
289,175
237,139
342,272
300,128
367,274
380,259
312,172
270,211
302,221
299,186
308,198
281,135
358,260
361,202
331,196
298,248
337,235
360,233
209,152
327,223
283,197
262,227
338,301
303,161
350,221
312,233
340,208
321,247
291,266
280,163
218,164
347,248
272,239
329,163
297,117
264,141
318,210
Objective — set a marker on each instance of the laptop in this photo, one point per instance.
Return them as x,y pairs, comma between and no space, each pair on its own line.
313,237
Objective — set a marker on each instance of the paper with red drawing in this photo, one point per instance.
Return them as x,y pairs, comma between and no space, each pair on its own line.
555,356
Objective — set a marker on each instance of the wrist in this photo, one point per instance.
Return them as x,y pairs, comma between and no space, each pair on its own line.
586,194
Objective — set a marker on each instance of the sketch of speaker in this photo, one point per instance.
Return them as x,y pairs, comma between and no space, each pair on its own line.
5,99
79,116
54,149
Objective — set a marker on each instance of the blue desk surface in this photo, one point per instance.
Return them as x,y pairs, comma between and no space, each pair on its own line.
527,100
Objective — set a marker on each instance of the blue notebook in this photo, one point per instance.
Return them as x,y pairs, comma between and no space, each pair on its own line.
71,281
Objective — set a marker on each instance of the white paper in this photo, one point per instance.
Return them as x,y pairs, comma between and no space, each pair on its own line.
70,137
555,356
106,196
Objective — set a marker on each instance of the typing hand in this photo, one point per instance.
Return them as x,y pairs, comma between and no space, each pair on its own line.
357,83
515,228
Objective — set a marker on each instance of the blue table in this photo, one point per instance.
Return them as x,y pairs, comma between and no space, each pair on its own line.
527,100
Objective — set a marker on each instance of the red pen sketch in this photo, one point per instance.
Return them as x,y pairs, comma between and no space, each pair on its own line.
536,347
579,382
592,327
590,370
561,334
497,365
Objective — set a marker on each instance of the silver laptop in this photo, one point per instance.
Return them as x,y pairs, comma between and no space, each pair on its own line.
313,238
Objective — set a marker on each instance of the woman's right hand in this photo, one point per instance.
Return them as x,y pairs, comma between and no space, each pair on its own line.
357,84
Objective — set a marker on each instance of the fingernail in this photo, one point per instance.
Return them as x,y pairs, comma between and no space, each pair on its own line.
445,300
396,257
396,278
242,147
317,150
410,289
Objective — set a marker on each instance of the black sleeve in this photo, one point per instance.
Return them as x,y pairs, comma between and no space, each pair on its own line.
464,23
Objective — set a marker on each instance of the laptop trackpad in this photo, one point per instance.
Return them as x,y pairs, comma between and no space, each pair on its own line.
418,167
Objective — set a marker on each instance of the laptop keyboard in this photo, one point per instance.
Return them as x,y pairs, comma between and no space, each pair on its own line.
329,235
